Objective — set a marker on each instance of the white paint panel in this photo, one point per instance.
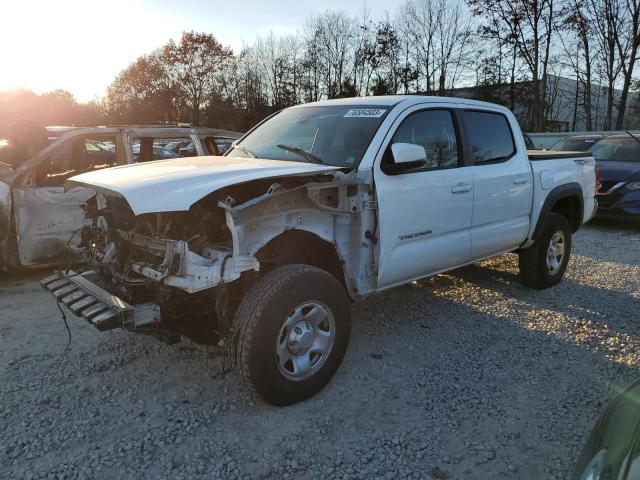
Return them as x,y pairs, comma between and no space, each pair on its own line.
424,227
175,185
502,204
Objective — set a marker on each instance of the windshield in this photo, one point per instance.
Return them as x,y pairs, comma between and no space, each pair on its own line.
577,145
332,135
619,149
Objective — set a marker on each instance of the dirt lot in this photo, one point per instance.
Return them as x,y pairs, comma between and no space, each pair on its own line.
468,375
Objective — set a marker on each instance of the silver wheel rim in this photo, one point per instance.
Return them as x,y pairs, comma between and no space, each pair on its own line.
305,340
555,253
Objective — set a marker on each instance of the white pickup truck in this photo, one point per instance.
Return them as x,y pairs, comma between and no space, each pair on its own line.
319,205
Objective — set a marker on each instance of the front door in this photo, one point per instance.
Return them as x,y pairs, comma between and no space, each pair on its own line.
45,215
424,210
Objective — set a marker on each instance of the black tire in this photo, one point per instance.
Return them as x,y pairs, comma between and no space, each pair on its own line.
260,321
534,270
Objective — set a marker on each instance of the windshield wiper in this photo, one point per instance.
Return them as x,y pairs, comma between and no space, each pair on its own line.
244,150
302,152
632,135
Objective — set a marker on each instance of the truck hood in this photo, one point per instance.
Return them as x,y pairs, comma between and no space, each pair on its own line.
175,185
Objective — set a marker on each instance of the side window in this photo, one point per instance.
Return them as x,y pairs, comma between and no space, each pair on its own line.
434,130
223,144
146,149
489,135
217,145
76,156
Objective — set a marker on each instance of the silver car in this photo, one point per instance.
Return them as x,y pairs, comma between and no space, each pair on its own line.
37,217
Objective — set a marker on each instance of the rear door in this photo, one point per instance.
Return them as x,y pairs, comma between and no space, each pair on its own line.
45,216
502,183
424,212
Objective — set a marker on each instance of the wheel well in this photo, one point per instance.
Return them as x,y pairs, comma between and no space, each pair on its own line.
292,246
299,246
571,208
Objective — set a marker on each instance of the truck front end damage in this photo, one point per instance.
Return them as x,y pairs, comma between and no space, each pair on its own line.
181,273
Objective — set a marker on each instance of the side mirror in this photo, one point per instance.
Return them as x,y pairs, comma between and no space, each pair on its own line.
409,153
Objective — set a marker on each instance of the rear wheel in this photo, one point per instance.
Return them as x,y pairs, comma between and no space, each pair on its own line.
543,264
292,332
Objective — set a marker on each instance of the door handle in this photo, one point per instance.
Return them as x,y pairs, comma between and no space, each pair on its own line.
461,188
520,179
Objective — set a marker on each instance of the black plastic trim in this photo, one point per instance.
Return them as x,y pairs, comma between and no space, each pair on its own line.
465,150
546,155
561,192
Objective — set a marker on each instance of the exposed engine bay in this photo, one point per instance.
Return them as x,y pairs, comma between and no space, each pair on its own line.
190,263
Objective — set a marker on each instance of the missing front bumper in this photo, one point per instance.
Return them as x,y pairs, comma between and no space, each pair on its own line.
97,306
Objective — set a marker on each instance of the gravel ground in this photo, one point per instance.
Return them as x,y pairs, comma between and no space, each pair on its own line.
465,375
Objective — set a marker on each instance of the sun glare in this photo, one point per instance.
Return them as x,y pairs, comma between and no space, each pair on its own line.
77,45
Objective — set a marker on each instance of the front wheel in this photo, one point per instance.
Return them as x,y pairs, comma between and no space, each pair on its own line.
292,332
543,264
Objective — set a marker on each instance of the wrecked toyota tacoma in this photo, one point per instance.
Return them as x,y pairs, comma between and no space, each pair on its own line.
322,204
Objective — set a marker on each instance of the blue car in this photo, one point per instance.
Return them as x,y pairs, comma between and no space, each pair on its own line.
618,158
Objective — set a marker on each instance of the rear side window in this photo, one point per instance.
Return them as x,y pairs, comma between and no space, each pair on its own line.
217,145
152,148
489,136
223,144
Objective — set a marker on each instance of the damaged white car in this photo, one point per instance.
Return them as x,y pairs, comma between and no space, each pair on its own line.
319,205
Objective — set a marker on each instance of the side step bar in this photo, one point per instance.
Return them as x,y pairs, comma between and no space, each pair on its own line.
102,309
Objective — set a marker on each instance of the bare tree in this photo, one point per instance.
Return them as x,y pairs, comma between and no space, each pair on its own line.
440,33
331,36
628,43
606,14
577,21
516,55
278,59
530,29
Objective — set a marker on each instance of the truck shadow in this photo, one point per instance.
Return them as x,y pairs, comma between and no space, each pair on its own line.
605,306
623,224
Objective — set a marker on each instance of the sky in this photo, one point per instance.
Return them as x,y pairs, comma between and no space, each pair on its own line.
81,45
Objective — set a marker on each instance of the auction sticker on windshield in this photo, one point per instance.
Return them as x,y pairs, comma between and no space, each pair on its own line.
365,113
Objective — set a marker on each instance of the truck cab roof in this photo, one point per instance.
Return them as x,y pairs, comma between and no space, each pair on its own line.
394,100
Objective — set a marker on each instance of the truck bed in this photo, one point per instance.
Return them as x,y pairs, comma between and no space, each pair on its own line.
562,170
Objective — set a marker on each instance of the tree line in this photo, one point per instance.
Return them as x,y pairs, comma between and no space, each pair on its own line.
505,51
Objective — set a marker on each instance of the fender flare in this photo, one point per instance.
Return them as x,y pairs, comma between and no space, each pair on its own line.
561,192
